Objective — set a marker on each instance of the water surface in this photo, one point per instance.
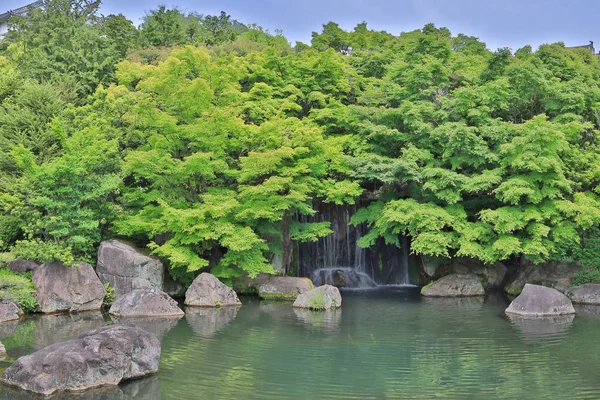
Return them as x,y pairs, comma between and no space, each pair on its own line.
383,344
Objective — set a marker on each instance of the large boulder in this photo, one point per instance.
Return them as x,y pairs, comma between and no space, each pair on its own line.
105,356
20,265
126,268
538,301
9,311
492,276
64,288
342,278
145,302
588,293
284,288
455,285
207,291
321,298
246,285
551,274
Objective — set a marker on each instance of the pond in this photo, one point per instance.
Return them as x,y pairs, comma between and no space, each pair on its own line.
385,343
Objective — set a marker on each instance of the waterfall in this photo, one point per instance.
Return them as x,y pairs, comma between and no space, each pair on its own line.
338,260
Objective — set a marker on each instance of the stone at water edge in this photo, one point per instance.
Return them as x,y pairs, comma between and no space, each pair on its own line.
455,285
9,311
105,356
126,268
284,288
322,298
65,288
207,291
537,300
145,302
588,293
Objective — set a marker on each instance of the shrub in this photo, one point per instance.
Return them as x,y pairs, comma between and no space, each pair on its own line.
110,295
317,301
18,287
586,276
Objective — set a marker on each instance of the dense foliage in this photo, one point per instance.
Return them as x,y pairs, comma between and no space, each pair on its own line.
207,139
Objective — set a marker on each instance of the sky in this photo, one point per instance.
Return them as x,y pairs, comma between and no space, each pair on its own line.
505,23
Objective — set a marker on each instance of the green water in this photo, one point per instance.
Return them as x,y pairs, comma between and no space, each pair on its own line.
382,344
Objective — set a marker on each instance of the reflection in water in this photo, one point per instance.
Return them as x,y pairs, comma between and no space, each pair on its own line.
205,322
8,328
56,328
329,319
159,327
546,330
456,303
139,389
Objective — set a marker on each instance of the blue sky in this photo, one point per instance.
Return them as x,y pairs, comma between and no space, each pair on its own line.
507,23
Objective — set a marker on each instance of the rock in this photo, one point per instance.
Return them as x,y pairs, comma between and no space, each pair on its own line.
20,265
246,285
126,268
537,300
342,278
492,276
206,322
455,285
321,298
284,288
63,288
173,288
145,302
552,274
105,356
2,351
9,311
207,291
588,293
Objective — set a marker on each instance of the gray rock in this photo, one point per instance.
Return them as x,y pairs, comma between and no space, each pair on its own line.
9,311
105,356
126,268
173,288
246,285
20,265
284,288
492,276
63,288
321,298
552,274
537,300
207,291
206,322
455,285
2,351
145,302
588,293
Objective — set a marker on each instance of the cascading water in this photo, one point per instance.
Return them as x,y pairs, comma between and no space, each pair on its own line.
338,260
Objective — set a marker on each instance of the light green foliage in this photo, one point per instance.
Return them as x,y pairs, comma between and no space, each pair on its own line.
19,288
110,296
317,301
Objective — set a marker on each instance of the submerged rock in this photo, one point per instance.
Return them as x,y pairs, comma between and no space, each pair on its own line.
126,268
284,288
9,311
537,300
455,285
321,298
145,302
64,288
207,291
20,265
551,274
588,293
342,277
105,356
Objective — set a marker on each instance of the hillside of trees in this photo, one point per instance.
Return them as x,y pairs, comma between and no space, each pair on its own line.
205,139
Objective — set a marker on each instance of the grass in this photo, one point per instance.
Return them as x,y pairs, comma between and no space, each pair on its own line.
18,287
317,301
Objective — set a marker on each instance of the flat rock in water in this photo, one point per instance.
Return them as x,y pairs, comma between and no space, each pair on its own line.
20,265
9,311
284,288
207,291
145,302
537,300
126,268
105,356
588,293
64,288
455,285
321,298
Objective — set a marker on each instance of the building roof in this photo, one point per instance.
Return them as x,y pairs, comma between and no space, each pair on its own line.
20,11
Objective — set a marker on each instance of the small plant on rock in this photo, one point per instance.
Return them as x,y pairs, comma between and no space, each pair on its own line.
110,296
317,302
